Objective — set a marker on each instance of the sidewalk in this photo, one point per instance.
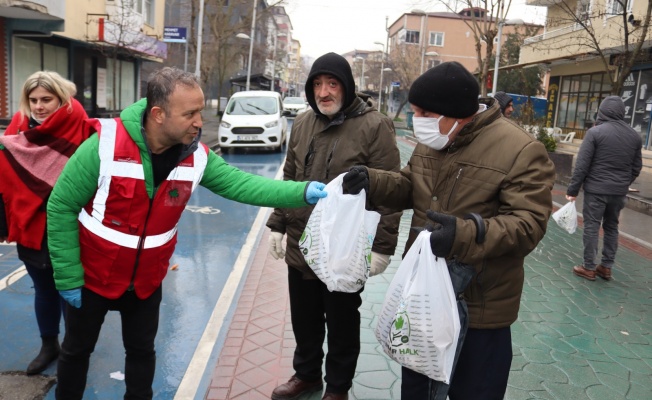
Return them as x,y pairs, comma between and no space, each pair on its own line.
574,339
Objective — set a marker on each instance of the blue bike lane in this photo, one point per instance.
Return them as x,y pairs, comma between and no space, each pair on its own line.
204,275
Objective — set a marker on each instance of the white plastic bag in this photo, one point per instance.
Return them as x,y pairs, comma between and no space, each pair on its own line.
337,240
566,217
419,324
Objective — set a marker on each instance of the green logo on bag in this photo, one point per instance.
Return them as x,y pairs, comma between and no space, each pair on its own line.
305,241
400,332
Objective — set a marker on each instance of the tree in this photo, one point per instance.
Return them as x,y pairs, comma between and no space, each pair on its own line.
481,16
222,51
609,33
405,62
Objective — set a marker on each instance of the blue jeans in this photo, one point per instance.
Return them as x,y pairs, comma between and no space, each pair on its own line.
139,326
48,305
601,210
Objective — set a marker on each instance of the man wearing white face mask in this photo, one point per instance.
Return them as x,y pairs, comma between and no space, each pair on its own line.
483,186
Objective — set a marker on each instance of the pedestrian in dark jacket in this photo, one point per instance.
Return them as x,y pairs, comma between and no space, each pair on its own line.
484,185
341,130
608,162
506,103
41,137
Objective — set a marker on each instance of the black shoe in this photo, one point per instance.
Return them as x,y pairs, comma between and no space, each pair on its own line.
49,353
295,388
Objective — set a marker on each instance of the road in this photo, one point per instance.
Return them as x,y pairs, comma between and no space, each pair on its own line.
213,232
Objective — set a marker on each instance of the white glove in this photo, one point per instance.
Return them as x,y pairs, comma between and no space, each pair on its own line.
276,245
379,263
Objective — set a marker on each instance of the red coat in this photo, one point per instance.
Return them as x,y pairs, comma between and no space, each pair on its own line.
126,238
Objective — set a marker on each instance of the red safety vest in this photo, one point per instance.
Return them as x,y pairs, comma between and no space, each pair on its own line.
127,239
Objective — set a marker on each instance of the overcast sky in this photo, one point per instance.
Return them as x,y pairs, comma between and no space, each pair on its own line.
345,25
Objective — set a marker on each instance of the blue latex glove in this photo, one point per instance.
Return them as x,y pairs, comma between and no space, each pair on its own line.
315,191
72,296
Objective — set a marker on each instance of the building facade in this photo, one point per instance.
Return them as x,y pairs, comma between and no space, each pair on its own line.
579,76
99,45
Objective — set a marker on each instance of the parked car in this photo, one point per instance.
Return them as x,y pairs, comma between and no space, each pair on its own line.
254,118
295,105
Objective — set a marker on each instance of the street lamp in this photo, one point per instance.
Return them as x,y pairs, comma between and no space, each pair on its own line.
361,81
501,23
200,28
421,38
251,44
382,68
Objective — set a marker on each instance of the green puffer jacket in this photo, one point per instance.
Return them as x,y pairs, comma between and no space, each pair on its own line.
321,149
78,183
495,169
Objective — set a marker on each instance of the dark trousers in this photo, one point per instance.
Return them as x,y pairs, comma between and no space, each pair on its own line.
481,371
601,210
313,310
48,305
139,326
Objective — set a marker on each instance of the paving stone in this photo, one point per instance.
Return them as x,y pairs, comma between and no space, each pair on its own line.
547,372
541,356
638,392
561,391
525,381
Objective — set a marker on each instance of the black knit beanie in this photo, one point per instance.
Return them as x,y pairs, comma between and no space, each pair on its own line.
336,65
448,89
503,100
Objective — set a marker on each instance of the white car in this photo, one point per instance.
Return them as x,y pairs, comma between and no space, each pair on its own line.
254,119
295,105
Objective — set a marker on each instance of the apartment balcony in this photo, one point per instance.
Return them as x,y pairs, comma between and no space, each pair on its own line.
542,3
35,15
570,42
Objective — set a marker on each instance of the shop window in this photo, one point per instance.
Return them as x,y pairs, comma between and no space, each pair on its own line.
30,56
125,78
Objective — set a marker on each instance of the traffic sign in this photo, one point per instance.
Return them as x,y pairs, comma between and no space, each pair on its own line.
174,34
396,84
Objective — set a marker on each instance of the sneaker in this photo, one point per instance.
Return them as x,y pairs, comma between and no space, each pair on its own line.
603,272
580,271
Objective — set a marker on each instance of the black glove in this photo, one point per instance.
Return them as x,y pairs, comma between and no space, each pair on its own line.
355,180
443,233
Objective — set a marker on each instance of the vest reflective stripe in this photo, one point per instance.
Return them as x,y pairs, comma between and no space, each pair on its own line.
123,239
109,168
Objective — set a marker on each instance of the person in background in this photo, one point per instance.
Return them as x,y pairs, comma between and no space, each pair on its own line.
506,103
609,160
41,137
341,130
483,186
113,215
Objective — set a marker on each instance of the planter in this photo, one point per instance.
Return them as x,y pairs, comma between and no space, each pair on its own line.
563,166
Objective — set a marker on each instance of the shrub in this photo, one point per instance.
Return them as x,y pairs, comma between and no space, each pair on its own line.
547,140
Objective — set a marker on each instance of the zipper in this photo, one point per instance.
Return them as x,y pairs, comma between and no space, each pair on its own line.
141,242
459,173
330,158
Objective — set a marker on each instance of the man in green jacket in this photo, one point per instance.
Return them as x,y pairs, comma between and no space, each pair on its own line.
113,215
485,184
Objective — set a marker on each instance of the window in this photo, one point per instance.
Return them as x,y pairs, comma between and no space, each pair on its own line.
433,63
579,98
412,37
146,9
436,39
148,12
615,7
30,56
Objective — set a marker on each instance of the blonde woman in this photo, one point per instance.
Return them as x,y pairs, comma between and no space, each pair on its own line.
41,137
